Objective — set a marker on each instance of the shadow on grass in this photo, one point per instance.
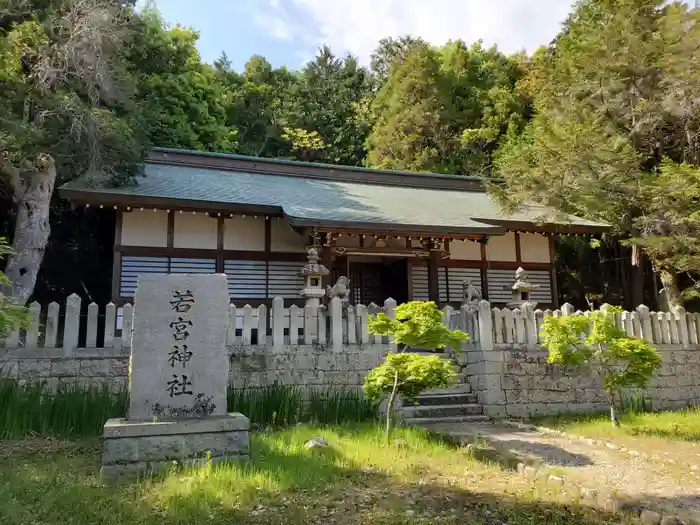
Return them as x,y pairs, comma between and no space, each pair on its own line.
486,445
280,486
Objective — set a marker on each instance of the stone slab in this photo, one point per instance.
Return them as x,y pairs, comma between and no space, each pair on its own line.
123,428
179,361
116,471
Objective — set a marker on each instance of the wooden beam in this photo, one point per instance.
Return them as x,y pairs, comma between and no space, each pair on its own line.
117,258
171,229
518,248
433,283
268,234
553,262
484,271
220,225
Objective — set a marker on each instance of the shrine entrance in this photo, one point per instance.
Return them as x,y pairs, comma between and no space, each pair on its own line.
375,279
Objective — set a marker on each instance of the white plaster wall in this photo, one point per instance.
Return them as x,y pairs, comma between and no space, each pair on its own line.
465,251
145,228
244,234
534,247
284,239
501,248
194,231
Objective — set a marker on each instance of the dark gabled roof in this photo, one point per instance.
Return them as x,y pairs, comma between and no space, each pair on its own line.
312,194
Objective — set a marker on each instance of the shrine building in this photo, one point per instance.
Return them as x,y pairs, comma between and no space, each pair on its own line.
409,236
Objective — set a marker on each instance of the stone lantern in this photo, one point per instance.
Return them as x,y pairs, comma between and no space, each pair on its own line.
313,273
522,290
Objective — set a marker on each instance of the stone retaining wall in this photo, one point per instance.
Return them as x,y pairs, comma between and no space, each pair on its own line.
519,382
252,366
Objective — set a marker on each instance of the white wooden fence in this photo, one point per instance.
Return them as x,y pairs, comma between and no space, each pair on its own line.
332,326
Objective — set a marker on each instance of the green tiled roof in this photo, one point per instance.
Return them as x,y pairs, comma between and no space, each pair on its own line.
316,201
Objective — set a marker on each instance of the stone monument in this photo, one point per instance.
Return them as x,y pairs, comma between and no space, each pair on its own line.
521,290
178,377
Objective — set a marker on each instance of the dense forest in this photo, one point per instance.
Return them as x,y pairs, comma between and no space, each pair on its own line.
604,122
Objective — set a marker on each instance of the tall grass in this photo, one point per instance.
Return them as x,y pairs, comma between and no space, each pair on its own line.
636,402
76,411
281,405
273,405
72,410
332,406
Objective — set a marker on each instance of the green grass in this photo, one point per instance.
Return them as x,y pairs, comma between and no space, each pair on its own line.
280,405
72,411
682,425
358,480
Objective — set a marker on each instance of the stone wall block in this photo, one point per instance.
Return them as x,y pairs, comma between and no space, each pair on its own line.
34,368
65,367
124,449
95,368
161,448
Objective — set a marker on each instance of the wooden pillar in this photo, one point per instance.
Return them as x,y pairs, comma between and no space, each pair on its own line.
433,285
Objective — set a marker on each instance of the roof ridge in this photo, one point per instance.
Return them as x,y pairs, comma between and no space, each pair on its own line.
338,173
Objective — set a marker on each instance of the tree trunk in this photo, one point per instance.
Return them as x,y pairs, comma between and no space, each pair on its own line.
669,279
614,419
32,229
390,407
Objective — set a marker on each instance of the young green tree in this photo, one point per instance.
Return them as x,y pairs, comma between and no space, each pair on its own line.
623,361
417,324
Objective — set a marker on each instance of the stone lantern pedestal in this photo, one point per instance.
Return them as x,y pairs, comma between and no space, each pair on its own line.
313,273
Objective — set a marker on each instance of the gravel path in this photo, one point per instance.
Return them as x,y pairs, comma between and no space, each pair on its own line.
673,488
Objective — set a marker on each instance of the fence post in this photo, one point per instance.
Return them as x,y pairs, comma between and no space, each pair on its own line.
352,326
247,325
231,332
110,319
530,324
310,324
567,309
51,325
294,324
485,326
71,325
32,340
679,313
645,321
465,325
262,325
336,311
390,310
127,325
361,310
277,324
322,339
91,335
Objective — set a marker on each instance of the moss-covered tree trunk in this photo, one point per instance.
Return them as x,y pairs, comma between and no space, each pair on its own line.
33,200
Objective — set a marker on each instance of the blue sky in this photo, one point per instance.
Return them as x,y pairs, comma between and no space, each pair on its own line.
290,31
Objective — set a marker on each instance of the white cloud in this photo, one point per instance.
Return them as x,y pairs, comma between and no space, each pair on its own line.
356,26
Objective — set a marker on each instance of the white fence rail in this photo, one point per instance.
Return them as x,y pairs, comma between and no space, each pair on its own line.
72,327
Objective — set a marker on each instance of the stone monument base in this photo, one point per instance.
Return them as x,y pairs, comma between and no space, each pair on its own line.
132,447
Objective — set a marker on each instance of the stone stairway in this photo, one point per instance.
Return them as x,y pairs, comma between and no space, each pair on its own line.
444,405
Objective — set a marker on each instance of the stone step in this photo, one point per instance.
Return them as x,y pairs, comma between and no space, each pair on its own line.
445,399
442,411
418,421
456,389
